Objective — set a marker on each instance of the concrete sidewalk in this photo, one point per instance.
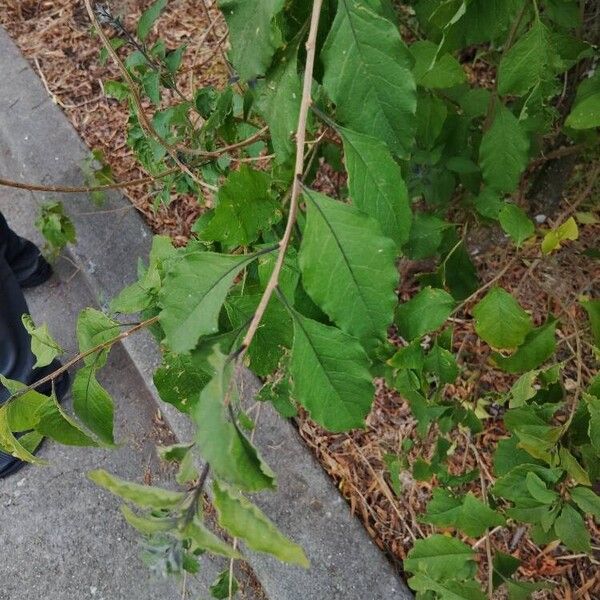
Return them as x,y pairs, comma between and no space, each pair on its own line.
64,537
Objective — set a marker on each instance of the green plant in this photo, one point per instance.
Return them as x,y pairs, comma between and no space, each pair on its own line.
301,287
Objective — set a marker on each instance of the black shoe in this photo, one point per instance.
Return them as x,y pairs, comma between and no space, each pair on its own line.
42,273
9,465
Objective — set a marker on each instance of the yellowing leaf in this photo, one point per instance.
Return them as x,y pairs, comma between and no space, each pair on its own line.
553,239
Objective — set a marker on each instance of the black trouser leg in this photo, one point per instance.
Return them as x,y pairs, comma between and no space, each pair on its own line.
16,257
21,255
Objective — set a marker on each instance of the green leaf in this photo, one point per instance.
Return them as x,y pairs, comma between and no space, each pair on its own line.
56,227
22,410
10,444
272,337
231,456
538,490
505,566
593,407
523,389
254,37
43,346
442,364
516,223
508,455
206,540
526,64
448,589
244,209
504,152
278,101
224,587
148,18
431,116
432,70
94,328
141,294
367,75
424,312
571,530
468,514
425,235
93,404
246,521
348,268
587,500
441,556
376,185
147,525
142,495
585,113
500,320
592,308
538,345
55,423
194,290
553,239
331,375
180,379
571,465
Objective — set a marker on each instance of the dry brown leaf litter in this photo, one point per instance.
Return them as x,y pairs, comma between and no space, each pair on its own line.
55,37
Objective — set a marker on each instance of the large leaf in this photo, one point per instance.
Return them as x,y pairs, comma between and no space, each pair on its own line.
194,290
538,345
245,208
55,423
500,320
433,71
441,556
525,65
254,37
585,113
468,514
148,18
516,223
246,521
273,335
447,589
592,307
93,404
142,495
348,268
231,456
587,500
9,444
331,375
376,185
367,75
94,328
278,100
570,528
43,346
206,540
424,312
503,153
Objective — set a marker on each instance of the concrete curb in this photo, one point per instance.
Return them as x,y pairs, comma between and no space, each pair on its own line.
307,507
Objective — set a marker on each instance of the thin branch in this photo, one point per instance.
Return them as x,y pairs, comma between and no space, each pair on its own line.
223,150
82,356
296,186
144,121
62,189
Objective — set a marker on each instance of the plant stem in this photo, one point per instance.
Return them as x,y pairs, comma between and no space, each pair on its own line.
61,189
83,355
296,186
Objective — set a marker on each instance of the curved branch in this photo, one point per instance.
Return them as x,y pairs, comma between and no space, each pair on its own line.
296,186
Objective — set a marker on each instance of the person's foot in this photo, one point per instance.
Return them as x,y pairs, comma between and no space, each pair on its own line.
41,274
9,465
